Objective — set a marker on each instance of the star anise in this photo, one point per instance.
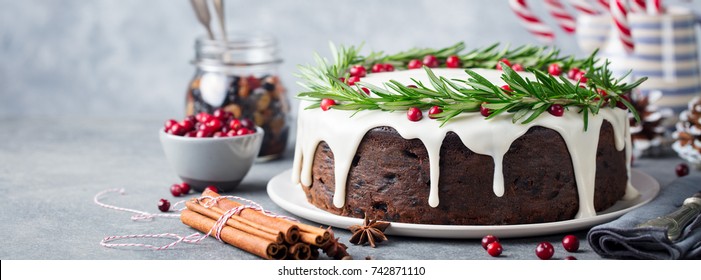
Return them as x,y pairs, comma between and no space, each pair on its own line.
371,231
335,249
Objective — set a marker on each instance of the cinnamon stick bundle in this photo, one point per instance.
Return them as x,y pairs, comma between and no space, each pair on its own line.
237,222
251,243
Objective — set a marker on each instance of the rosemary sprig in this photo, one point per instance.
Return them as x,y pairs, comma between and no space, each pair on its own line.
527,99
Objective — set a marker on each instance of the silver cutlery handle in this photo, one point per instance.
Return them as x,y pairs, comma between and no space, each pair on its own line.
677,220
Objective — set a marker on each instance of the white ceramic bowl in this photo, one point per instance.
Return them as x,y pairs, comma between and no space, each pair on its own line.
222,162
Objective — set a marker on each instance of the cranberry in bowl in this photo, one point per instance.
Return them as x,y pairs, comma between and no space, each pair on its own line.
211,149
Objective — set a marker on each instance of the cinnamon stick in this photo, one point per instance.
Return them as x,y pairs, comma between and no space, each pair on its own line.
237,222
290,230
250,243
300,251
313,235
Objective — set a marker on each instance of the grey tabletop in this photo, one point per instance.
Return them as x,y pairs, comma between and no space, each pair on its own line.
50,170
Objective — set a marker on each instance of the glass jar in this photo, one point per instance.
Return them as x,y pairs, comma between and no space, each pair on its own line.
241,77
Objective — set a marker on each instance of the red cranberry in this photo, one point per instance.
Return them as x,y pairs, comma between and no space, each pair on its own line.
570,243
214,124
176,190
573,73
185,188
212,189
494,249
163,205
517,67
231,133
414,64
169,124
507,88
682,170
556,110
453,61
187,124
203,117
580,77
570,258
177,129
414,114
505,61
342,79
191,118
357,71
488,239
365,90
221,114
219,134
377,68
412,86
191,133
621,104
352,80
430,61
389,67
485,111
545,251
243,131
235,124
248,123
554,69
326,104
433,111
203,133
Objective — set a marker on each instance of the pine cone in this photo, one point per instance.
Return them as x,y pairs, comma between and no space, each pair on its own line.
688,133
649,134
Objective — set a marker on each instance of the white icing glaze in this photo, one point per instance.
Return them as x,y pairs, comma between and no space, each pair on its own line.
343,134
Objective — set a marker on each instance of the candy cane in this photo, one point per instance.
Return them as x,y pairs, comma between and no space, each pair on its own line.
563,18
638,6
605,5
619,13
536,27
654,7
584,7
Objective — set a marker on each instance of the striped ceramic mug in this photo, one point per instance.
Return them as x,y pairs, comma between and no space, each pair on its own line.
592,31
666,51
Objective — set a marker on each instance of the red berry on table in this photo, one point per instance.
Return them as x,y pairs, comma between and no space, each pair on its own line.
570,258
377,68
352,80
485,111
507,88
505,61
572,73
556,110
517,67
414,64
453,61
488,239
494,249
163,205
365,90
357,71
433,111
212,189
389,67
169,124
580,77
326,104
544,251
185,188
554,69
682,170
430,61
176,190
570,243
414,114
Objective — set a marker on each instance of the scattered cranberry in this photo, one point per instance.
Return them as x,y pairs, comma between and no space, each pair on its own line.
430,61
545,251
488,239
352,80
185,188
556,110
414,64
163,205
517,67
176,190
414,114
554,69
485,111
453,61
365,90
494,249
570,258
212,189
505,61
326,104
507,88
682,169
580,77
377,68
572,73
434,111
570,243
357,71
389,67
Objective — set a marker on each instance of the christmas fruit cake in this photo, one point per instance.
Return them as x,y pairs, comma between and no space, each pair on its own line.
486,137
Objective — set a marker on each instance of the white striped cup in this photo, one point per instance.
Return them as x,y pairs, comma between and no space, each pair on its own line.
592,31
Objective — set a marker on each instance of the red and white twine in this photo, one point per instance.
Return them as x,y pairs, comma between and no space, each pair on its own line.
190,239
531,22
563,18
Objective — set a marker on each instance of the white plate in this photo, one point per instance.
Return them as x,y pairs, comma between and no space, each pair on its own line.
291,197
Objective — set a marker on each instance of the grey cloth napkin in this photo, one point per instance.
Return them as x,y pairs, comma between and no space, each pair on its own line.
620,239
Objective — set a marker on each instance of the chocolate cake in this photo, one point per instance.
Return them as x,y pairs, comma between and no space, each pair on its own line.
470,171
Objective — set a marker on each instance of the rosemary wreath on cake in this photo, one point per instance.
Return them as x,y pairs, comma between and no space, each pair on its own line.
561,83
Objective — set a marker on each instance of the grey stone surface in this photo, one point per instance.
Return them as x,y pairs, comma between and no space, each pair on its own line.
50,169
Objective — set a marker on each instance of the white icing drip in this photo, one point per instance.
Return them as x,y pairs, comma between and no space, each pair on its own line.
488,137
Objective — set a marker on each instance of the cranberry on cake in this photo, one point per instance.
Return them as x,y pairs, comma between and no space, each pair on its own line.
489,136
